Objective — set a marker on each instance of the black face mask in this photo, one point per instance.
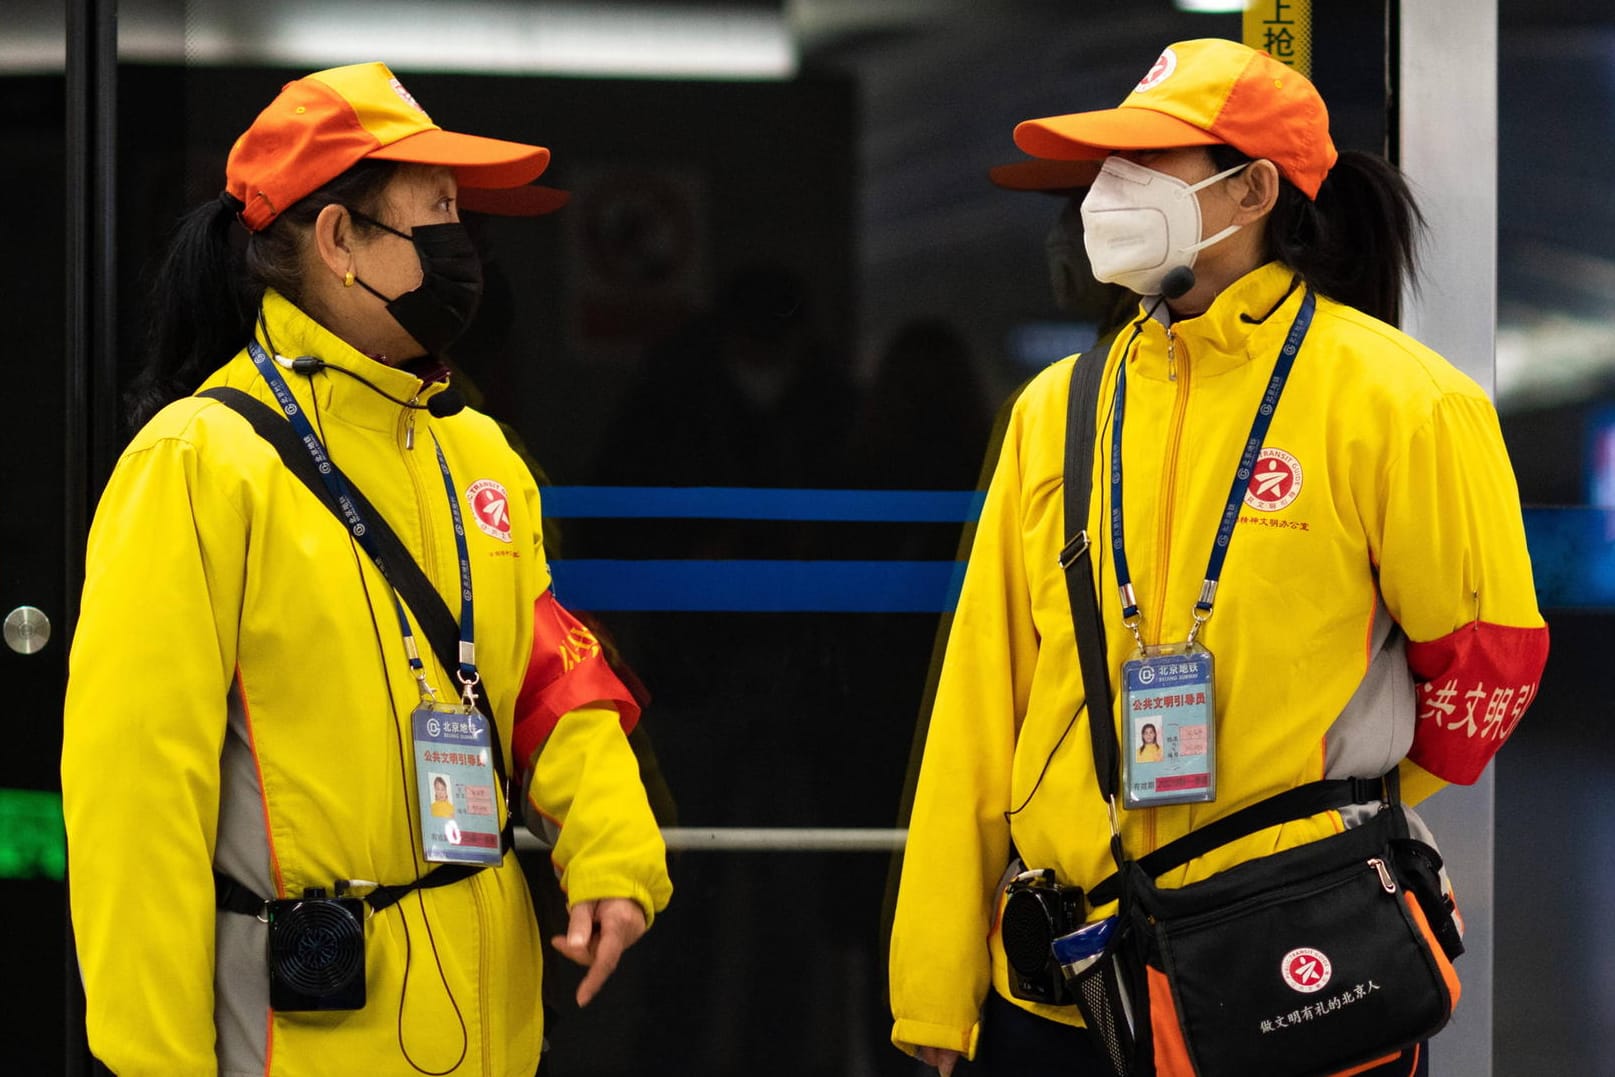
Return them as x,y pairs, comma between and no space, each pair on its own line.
451,284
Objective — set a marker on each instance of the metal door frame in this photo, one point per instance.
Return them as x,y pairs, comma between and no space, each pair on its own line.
1446,99
89,425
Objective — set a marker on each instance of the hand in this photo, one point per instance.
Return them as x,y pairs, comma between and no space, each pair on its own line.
943,1059
596,936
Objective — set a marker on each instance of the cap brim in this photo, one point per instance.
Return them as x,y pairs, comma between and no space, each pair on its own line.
1043,175
530,201
477,161
1092,135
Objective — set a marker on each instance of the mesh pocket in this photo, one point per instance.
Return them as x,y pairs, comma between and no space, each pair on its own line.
1104,1009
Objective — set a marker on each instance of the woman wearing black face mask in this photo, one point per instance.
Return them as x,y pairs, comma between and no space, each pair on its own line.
441,302
256,667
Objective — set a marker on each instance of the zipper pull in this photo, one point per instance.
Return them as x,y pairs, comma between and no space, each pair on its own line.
1171,355
1385,879
409,426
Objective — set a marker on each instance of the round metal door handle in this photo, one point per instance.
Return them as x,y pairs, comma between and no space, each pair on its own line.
27,630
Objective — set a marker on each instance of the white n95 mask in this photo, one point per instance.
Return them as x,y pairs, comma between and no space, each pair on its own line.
1139,224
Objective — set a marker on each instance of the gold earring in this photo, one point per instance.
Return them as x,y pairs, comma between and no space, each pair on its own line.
347,279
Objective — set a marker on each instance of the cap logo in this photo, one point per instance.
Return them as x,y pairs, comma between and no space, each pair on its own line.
1275,482
398,88
1162,71
1306,970
490,507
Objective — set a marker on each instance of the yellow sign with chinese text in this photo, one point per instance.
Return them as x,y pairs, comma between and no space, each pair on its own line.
1283,29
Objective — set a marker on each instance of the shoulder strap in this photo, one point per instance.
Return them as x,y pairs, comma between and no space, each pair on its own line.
437,624
1076,561
235,896
1292,804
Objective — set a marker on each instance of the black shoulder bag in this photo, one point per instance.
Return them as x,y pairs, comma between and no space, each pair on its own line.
1303,963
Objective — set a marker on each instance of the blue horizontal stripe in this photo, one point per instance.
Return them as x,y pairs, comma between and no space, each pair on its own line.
759,586
756,503
1572,555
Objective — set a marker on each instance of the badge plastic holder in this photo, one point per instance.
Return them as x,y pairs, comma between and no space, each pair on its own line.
1169,727
459,802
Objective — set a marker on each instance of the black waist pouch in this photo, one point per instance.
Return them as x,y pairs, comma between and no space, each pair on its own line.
1305,963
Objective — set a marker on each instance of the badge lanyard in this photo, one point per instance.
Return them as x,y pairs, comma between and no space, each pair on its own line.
1168,708
454,745
338,486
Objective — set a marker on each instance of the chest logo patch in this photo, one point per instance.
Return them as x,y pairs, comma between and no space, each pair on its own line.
1275,482
490,507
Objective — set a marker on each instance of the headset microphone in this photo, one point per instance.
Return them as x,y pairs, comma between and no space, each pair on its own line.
1177,282
449,402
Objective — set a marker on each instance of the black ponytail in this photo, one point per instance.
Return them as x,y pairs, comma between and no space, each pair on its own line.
208,286
1357,242
200,311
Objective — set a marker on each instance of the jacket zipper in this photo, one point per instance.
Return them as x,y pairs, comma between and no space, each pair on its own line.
1169,483
423,507
1169,487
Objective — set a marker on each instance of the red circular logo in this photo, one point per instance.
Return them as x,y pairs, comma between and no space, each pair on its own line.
490,508
1162,70
1275,481
1306,970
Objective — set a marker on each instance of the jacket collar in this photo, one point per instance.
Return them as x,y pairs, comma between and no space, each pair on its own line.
293,333
1247,321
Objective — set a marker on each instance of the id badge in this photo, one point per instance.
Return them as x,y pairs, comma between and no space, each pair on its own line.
1169,754
459,810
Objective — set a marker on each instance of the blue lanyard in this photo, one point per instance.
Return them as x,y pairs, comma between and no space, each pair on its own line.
468,649
1236,493
337,484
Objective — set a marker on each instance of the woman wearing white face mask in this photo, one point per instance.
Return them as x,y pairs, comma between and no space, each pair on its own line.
1363,576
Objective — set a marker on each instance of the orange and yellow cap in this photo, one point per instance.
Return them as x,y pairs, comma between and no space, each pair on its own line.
1203,93
323,124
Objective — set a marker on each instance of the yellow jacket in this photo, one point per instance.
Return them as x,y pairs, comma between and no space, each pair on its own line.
239,698
1397,571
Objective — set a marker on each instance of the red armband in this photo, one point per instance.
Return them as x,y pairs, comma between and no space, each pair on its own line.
1474,687
567,670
